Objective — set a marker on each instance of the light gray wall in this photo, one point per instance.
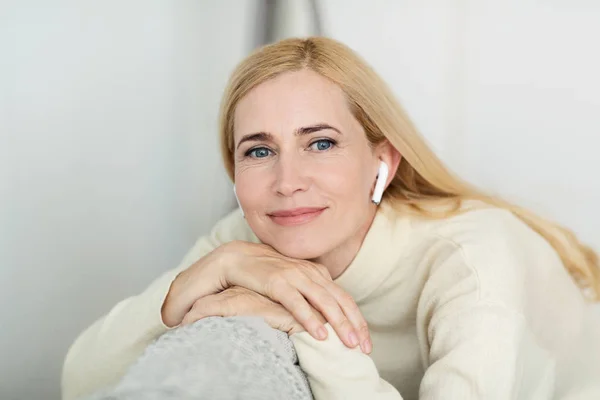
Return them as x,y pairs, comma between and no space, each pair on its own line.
109,164
109,167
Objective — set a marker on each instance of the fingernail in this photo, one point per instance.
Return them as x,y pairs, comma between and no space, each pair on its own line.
353,339
322,333
367,346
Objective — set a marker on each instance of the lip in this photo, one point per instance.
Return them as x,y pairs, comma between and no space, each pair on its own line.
296,216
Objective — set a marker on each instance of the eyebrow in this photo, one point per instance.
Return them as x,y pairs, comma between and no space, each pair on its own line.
305,130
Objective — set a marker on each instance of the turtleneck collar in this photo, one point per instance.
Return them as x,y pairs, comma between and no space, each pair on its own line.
377,255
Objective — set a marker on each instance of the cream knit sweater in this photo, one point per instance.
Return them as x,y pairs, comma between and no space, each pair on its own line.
477,306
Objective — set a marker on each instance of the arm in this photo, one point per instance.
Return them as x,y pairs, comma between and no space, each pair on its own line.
101,355
337,372
475,340
334,370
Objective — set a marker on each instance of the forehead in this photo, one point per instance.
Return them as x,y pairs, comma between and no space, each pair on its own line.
289,101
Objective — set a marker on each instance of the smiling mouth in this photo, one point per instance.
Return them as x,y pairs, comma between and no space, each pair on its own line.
296,216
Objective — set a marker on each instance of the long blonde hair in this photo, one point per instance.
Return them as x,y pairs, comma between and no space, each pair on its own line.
422,178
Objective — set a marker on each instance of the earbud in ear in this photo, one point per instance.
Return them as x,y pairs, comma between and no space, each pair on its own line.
238,201
382,177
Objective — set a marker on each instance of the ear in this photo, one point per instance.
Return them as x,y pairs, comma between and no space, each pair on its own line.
389,155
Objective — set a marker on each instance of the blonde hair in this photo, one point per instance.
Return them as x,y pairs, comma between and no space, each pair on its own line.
421,179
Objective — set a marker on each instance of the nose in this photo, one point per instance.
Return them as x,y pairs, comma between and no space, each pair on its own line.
291,176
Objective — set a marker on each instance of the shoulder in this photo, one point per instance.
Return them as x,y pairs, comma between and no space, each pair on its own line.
490,235
487,251
479,230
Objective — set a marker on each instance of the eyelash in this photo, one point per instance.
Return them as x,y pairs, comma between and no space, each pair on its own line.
332,143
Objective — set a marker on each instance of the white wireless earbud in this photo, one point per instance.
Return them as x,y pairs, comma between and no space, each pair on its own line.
382,176
238,201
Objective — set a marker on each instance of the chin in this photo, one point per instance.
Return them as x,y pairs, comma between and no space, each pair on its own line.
303,242
300,248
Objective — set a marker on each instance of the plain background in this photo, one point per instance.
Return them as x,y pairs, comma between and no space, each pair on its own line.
109,162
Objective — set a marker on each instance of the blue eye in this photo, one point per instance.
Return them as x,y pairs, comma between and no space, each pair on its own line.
259,152
322,145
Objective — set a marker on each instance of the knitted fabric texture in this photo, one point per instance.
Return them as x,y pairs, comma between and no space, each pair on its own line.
215,358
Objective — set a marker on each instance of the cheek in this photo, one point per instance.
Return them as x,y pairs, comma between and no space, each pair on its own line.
344,178
251,185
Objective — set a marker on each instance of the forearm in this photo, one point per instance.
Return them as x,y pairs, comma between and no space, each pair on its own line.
215,357
336,372
102,354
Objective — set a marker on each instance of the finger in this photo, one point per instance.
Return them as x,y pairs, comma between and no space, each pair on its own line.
282,286
354,315
323,301
318,315
281,319
320,299
292,326
288,296
208,306
349,308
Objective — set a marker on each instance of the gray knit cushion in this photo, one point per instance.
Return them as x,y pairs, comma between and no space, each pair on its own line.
215,358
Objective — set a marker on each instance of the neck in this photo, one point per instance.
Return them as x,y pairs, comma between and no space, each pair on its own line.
340,258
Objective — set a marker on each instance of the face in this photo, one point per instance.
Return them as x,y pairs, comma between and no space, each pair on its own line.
304,170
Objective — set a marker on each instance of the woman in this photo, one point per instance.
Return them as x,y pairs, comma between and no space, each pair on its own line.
464,295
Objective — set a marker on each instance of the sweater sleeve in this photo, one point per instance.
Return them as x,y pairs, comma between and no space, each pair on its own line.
337,372
474,339
101,355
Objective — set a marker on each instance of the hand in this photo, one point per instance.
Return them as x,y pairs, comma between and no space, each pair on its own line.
298,285
239,301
